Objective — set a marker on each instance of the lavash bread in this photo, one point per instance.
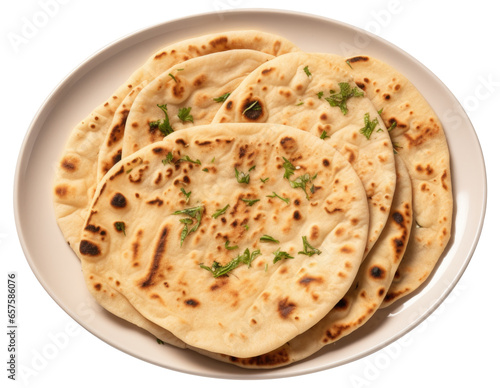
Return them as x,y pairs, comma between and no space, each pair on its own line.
195,85
420,141
259,306
364,297
76,174
292,90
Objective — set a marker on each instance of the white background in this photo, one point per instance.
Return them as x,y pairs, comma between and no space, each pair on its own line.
459,43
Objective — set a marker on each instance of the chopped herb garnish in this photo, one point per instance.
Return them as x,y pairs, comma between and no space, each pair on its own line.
246,257
250,202
268,238
173,77
301,182
220,211
184,114
253,106
340,99
309,250
277,196
392,126
163,125
230,248
369,127
264,180
222,98
186,194
213,160
204,169
194,212
348,63
246,227
120,227
186,158
323,135
168,159
289,168
306,70
395,146
300,103
241,177
320,94
160,342
280,255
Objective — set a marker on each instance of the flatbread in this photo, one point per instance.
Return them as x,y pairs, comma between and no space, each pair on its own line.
420,141
194,85
76,174
293,90
363,298
257,307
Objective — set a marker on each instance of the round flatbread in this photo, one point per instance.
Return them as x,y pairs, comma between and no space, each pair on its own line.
204,234
307,92
419,139
363,298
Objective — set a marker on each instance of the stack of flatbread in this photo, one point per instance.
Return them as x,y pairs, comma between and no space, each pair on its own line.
254,202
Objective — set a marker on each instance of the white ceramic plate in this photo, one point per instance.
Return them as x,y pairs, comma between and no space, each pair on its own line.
58,269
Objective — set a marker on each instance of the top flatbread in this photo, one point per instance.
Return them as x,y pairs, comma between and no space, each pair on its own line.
76,175
132,238
293,90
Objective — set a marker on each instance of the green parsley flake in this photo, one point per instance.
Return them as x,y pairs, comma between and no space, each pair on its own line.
230,248
184,114
246,257
222,98
280,255
309,250
168,159
253,106
187,195
340,99
369,127
120,227
306,70
241,177
186,158
268,238
277,196
264,180
173,77
250,202
194,212
220,211
289,168
163,125
323,135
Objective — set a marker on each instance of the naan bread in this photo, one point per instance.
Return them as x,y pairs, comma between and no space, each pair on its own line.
132,238
193,85
363,298
76,175
420,141
293,90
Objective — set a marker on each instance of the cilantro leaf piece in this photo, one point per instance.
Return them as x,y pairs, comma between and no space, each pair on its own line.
241,177
369,127
120,227
186,158
301,182
193,212
323,135
222,98
289,168
250,202
184,114
286,200
187,195
230,248
340,99
220,211
246,257
163,125
309,250
280,255
268,238
306,70
168,159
